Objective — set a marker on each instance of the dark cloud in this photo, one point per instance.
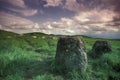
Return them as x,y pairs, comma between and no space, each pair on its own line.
114,23
115,6
117,9
91,4
87,5
36,4
7,19
17,6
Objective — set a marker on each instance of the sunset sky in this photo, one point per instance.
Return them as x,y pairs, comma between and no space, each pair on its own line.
96,18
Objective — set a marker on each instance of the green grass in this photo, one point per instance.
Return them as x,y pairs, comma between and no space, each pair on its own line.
31,57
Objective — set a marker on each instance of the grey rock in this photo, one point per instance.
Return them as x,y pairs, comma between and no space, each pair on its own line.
70,54
102,46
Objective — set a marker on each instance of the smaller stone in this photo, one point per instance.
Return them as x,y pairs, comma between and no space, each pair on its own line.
21,34
9,37
54,38
102,46
43,37
34,37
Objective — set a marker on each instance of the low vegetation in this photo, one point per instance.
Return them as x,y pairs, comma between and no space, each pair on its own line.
31,57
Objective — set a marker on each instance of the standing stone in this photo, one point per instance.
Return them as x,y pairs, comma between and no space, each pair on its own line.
70,54
82,44
101,46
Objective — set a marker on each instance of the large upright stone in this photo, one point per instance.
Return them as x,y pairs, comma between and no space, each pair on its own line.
70,54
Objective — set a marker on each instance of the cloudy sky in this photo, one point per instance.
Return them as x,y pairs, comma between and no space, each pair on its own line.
96,18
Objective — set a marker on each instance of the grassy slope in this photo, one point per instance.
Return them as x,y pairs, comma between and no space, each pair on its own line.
31,57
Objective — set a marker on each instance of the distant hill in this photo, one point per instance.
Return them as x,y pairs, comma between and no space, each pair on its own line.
2,32
6,33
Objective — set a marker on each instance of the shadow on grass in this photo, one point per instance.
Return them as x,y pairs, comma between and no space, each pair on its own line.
94,55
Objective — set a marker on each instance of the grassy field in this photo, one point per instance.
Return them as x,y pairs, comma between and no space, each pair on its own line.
31,57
